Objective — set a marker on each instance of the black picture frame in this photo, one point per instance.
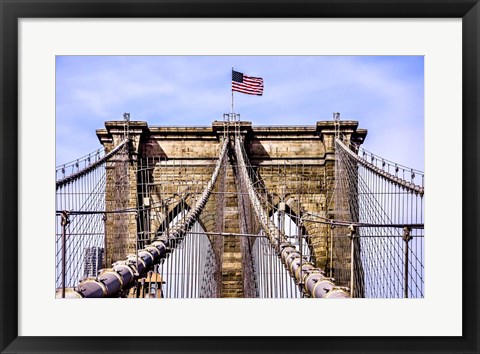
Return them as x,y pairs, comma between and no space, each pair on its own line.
11,11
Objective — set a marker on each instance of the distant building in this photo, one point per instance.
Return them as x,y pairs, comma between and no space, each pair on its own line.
92,261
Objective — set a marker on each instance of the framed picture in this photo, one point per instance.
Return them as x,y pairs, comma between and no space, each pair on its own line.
39,40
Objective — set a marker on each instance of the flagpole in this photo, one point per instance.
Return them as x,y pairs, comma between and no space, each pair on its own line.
232,92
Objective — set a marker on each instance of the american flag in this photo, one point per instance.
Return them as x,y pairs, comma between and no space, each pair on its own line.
247,84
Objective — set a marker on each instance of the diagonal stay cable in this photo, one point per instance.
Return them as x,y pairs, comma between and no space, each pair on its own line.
110,282
320,286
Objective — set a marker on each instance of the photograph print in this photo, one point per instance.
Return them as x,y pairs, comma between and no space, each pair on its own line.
239,177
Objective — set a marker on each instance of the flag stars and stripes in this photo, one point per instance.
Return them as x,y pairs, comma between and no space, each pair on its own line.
247,84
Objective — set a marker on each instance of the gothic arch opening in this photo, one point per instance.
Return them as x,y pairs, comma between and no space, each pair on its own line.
189,270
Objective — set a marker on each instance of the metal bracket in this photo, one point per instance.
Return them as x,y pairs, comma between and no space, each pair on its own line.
65,219
353,231
407,234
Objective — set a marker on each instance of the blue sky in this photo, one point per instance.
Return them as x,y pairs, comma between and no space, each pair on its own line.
384,93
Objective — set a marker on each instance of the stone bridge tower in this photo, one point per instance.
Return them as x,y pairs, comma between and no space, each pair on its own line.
296,165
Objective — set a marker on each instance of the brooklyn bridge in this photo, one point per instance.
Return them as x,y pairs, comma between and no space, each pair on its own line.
238,210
